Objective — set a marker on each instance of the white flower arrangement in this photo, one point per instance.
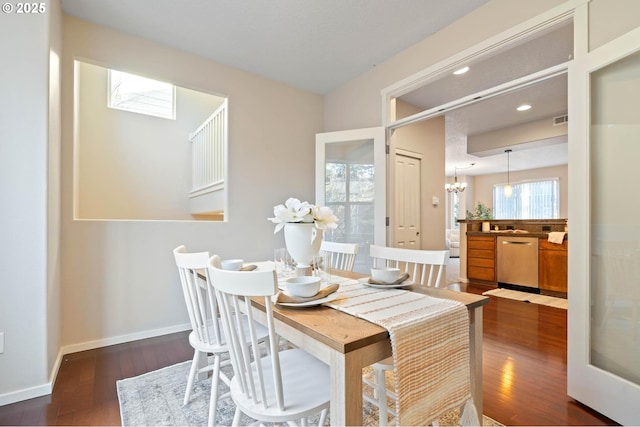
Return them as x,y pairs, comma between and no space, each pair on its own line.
294,210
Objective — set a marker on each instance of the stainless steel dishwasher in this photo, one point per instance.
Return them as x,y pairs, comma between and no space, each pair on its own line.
518,261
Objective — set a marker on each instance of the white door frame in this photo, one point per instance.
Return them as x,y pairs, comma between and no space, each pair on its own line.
415,81
378,136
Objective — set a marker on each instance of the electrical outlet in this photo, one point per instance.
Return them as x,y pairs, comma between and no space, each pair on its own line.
1,342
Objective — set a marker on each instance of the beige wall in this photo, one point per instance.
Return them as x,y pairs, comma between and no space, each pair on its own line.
29,154
609,19
120,280
54,195
130,165
427,138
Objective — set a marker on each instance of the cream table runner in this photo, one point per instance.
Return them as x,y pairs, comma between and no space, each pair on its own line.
430,343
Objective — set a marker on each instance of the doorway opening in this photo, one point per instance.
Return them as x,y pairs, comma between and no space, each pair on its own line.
479,107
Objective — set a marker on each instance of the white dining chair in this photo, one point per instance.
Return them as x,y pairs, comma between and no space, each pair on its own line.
283,386
621,268
342,255
426,268
206,335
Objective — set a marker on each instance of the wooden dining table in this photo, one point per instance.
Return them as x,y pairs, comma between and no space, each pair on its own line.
348,344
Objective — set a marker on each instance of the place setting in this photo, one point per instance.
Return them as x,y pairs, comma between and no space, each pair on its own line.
295,290
304,290
386,277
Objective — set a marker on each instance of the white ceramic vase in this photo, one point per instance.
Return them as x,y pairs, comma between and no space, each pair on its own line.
303,241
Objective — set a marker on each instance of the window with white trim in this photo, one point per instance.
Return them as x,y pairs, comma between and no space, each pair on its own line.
138,94
529,200
454,211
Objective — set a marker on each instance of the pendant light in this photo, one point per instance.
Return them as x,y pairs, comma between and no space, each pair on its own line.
507,189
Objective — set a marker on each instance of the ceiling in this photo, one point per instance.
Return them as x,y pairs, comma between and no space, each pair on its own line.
316,45
320,45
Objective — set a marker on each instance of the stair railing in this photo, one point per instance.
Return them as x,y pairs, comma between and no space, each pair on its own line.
208,144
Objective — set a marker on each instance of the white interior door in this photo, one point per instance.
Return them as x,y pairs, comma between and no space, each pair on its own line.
407,200
351,180
604,253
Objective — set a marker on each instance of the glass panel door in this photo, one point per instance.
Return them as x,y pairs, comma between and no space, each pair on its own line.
615,243
604,303
350,179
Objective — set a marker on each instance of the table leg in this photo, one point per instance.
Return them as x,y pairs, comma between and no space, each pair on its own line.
346,389
346,381
475,349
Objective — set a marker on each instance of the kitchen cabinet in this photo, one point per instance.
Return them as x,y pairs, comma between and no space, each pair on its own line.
481,258
552,273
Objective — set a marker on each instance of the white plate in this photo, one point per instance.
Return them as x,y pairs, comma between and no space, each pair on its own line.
365,281
320,301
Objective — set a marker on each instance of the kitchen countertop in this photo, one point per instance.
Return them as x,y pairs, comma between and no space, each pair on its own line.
540,235
539,228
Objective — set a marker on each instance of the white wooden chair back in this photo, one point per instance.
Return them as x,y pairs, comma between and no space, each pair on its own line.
199,298
621,264
424,267
342,255
233,291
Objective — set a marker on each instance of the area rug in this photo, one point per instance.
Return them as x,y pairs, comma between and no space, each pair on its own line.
528,297
155,399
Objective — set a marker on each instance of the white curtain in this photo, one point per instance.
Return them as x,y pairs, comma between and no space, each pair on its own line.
529,200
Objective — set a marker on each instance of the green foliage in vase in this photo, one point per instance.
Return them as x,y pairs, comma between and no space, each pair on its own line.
481,212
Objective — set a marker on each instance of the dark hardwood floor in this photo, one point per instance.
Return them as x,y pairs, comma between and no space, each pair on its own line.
85,390
525,367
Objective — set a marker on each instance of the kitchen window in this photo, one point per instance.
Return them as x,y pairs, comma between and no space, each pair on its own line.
529,200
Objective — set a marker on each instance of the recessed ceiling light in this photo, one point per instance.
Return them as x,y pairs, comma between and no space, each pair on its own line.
524,107
461,71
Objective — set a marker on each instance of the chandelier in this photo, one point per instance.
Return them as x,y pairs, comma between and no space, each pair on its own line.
456,187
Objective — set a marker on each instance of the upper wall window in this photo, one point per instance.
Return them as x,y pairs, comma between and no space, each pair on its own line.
137,167
141,95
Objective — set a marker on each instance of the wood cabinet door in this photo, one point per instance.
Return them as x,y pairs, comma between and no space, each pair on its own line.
552,274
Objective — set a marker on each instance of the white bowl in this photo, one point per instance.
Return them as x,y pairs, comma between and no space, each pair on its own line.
232,264
303,286
385,274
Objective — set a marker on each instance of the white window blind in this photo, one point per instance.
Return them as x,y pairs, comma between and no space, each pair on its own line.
141,95
530,200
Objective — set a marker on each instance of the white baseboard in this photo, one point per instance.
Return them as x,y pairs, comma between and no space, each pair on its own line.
104,342
46,388
25,393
